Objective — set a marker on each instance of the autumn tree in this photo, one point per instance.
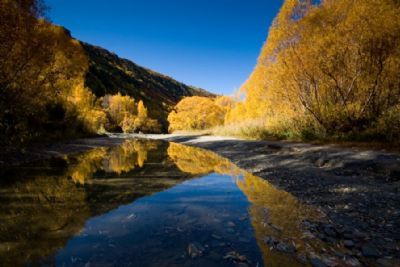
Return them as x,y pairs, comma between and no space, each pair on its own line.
125,114
119,108
40,66
330,68
87,109
196,113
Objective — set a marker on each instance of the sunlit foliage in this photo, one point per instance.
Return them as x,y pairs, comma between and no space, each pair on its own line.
89,112
43,91
39,64
128,116
198,113
328,69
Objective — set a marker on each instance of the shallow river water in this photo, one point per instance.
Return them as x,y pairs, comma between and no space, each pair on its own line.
149,203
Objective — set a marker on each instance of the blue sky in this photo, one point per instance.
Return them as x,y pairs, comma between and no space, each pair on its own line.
212,44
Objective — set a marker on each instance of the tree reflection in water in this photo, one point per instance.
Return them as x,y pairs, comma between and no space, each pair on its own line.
274,213
43,205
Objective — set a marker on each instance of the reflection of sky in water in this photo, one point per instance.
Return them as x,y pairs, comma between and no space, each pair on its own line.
164,224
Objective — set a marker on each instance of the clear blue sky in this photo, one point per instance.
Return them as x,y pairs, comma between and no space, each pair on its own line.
213,44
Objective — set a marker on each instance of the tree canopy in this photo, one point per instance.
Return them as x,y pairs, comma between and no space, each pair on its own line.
197,113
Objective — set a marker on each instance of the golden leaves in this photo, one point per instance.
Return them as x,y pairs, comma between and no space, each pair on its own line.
198,113
328,68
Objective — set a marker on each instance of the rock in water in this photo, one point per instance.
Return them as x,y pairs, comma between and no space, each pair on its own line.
230,224
215,236
236,257
195,250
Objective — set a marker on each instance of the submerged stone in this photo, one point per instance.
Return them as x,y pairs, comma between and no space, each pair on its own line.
195,249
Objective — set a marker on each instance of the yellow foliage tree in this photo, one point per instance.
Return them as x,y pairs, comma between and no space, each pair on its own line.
124,113
196,113
89,112
328,68
120,107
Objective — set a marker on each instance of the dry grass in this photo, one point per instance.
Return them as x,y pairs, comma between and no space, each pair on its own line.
253,129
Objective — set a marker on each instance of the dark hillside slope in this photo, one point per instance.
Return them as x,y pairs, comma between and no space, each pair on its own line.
110,74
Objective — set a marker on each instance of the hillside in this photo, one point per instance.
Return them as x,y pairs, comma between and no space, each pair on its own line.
110,74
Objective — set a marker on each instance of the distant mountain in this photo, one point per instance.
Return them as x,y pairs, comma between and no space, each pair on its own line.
110,74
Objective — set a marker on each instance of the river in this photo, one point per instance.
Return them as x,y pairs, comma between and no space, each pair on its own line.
151,203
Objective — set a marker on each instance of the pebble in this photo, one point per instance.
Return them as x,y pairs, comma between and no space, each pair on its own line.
369,250
328,229
302,259
276,228
270,241
243,218
215,236
307,235
286,248
360,235
316,262
348,243
235,256
350,261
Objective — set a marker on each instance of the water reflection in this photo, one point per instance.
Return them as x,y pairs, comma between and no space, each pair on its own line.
121,159
43,205
147,203
276,215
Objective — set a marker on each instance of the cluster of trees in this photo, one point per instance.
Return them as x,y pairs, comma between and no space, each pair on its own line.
124,114
113,113
328,69
42,82
199,113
